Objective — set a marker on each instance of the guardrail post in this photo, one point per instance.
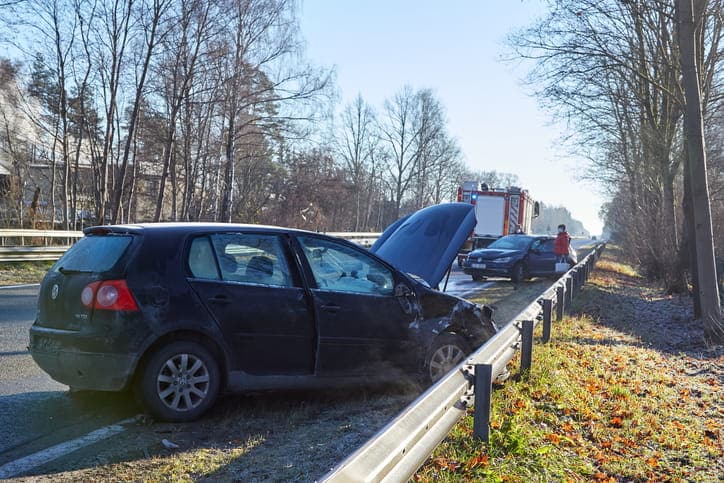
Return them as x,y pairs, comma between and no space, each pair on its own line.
560,301
483,391
569,293
547,316
526,348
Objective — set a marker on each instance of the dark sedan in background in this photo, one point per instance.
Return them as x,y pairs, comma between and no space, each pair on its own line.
515,256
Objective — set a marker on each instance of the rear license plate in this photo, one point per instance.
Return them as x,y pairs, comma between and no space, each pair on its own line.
478,265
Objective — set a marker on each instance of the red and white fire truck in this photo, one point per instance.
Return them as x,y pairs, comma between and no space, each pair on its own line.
499,212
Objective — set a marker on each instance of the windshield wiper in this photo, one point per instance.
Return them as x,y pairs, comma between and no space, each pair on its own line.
69,271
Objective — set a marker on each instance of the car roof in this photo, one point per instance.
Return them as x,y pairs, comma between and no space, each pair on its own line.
188,227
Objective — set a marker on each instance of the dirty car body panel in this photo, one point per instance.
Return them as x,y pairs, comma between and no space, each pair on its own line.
270,307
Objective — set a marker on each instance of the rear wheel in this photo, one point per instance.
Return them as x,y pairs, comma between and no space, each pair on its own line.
447,351
179,382
518,273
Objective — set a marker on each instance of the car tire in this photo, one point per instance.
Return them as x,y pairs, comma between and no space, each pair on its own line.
478,278
179,382
517,273
446,352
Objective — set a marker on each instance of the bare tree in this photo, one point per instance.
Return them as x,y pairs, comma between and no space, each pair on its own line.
691,19
356,145
399,131
611,68
151,17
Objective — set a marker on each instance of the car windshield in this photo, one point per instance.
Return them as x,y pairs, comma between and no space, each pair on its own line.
511,242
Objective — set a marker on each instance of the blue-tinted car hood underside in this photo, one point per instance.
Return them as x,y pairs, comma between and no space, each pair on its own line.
426,242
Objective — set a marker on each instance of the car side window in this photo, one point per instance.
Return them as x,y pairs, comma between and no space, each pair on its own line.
546,246
252,258
340,268
201,259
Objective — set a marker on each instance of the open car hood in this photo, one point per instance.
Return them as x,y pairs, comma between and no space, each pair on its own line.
426,242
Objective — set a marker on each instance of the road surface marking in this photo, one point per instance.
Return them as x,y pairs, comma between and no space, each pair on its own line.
27,285
23,465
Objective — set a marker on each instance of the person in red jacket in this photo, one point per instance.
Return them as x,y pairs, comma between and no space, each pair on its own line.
562,244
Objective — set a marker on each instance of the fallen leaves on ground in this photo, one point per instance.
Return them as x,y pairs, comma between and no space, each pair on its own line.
626,391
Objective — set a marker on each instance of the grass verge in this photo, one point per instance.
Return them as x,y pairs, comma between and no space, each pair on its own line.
624,392
18,273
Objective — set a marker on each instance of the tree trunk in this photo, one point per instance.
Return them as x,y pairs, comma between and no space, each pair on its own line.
228,183
694,131
689,236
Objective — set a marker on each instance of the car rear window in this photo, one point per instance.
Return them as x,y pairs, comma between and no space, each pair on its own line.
94,253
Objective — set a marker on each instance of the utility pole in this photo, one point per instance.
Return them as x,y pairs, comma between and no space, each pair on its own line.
689,20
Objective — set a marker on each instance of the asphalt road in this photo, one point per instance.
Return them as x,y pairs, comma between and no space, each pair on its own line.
35,411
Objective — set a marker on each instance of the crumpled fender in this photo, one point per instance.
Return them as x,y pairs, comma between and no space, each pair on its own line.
472,322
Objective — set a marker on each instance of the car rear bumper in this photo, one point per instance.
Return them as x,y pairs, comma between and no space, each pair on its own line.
54,352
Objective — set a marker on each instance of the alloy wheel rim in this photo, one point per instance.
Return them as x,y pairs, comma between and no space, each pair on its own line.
183,382
444,359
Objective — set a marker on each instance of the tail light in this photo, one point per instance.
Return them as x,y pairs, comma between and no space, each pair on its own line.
108,295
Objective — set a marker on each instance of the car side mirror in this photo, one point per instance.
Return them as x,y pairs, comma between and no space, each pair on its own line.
406,298
402,290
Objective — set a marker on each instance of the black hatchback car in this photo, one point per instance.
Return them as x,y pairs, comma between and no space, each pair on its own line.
181,312
515,256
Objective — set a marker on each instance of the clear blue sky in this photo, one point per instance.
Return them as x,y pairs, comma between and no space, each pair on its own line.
453,47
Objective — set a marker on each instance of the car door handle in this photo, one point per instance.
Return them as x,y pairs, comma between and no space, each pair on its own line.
220,299
332,308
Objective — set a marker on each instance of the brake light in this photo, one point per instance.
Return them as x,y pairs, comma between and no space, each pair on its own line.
108,295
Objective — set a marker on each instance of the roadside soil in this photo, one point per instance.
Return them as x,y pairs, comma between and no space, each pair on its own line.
280,436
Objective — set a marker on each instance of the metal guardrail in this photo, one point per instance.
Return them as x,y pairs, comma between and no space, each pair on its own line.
34,245
31,254
397,451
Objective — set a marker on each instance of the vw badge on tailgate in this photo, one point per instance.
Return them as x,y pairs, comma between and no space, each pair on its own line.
54,292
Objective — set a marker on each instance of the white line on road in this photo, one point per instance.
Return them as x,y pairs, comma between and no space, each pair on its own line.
22,465
27,285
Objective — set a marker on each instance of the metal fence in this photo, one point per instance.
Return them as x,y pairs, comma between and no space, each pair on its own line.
400,448
41,245
35,245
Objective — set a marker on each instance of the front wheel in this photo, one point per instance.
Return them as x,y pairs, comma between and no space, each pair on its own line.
447,351
518,273
179,382
478,278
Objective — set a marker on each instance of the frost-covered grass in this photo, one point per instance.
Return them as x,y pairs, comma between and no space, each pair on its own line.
14,273
606,400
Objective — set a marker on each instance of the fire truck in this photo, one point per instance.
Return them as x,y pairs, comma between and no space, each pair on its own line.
499,212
